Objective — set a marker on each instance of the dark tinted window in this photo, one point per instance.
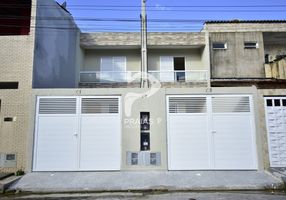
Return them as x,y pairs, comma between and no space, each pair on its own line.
8,119
250,45
277,102
284,102
219,45
269,102
9,85
15,17
10,157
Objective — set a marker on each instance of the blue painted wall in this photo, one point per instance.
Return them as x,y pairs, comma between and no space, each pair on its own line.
56,46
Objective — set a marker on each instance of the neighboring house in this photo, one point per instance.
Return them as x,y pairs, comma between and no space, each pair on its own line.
203,110
246,53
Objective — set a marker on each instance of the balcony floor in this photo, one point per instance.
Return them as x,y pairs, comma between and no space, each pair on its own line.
260,83
137,85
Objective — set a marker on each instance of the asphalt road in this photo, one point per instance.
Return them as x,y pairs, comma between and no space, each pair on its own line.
153,196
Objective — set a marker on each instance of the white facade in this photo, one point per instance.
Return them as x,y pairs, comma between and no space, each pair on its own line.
190,136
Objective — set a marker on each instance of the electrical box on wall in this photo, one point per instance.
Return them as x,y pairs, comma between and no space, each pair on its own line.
144,158
145,131
145,121
132,158
145,141
8,160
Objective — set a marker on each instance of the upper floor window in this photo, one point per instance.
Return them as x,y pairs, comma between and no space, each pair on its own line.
113,69
250,45
113,64
15,17
219,45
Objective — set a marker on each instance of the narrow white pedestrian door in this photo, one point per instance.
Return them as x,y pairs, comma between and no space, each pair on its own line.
56,138
211,132
100,134
77,133
188,139
275,108
233,133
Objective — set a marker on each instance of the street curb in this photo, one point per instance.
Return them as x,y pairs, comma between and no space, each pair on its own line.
7,182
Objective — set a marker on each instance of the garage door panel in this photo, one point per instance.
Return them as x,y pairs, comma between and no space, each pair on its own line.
217,131
233,130
56,144
100,142
77,133
233,142
188,142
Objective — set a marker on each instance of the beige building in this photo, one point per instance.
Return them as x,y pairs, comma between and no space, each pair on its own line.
16,69
204,108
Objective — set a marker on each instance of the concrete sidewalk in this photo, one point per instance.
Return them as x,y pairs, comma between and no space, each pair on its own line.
279,172
140,181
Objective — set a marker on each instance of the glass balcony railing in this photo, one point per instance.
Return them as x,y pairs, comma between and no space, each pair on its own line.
134,76
180,76
108,76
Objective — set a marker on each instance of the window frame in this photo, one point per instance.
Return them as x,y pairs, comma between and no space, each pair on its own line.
16,18
225,46
112,58
247,45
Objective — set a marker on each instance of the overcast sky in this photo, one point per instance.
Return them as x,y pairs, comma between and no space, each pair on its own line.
169,10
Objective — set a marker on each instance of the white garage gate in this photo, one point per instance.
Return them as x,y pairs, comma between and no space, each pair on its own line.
77,133
211,132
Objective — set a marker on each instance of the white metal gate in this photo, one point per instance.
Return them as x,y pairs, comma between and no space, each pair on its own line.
77,133
211,132
275,108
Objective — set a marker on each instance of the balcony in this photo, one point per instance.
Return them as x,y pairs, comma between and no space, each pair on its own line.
180,76
134,76
276,69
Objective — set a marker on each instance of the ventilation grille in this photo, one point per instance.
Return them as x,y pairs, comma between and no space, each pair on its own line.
230,104
99,105
57,106
187,105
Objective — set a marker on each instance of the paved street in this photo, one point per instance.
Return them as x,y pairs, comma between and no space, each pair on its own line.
155,196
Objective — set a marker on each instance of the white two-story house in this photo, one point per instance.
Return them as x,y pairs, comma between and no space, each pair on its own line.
208,102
